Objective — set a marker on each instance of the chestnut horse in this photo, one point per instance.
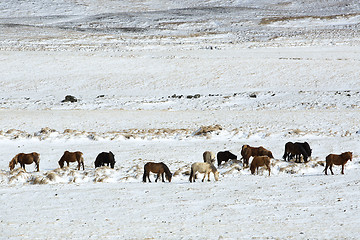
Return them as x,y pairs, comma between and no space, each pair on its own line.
259,161
203,167
334,159
72,157
159,168
25,158
247,152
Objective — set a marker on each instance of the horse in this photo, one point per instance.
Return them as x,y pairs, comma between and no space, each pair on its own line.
209,157
224,157
295,149
334,159
205,168
259,161
25,158
72,157
247,152
306,147
103,158
159,168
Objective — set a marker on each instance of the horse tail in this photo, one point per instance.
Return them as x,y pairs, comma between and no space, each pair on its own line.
191,174
145,173
82,162
285,153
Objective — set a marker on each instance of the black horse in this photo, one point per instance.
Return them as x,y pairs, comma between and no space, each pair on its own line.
296,150
224,157
103,158
306,147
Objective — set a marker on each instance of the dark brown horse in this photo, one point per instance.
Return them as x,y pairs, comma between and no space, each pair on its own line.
295,149
225,156
159,169
103,158
25,158
334,159
247,152
259,161
72,157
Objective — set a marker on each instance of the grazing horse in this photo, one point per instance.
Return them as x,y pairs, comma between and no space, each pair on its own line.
159,168
72,157
209,157
306,147
224,157
259,161
205,168
103,158
334,159
25,158
247,152
295,149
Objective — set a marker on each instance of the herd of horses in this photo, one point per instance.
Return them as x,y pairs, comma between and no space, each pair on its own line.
261,158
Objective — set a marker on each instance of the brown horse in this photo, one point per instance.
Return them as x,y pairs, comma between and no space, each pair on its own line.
25,158
247,152
259,161
72,157
159,168
334,159
297,149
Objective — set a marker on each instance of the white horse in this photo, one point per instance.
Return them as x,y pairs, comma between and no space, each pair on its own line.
209,157
205,168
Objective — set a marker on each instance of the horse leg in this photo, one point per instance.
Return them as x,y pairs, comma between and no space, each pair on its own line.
144,176
162,176
204,177
331,169
342,168
208,176
79,165
157,177
246,162
326,167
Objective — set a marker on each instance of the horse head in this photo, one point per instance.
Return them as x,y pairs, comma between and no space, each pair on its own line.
168,177
112,159
13,162
347,155
61,163
231,155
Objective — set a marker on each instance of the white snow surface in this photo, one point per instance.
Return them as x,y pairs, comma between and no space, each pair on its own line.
150,77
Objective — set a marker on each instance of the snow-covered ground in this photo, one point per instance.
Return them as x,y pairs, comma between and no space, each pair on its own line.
150,77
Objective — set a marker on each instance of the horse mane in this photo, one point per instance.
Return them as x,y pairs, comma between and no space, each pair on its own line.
166,169
213,168
347,155
14,161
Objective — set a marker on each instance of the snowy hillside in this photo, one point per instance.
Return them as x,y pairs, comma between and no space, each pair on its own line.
164,82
